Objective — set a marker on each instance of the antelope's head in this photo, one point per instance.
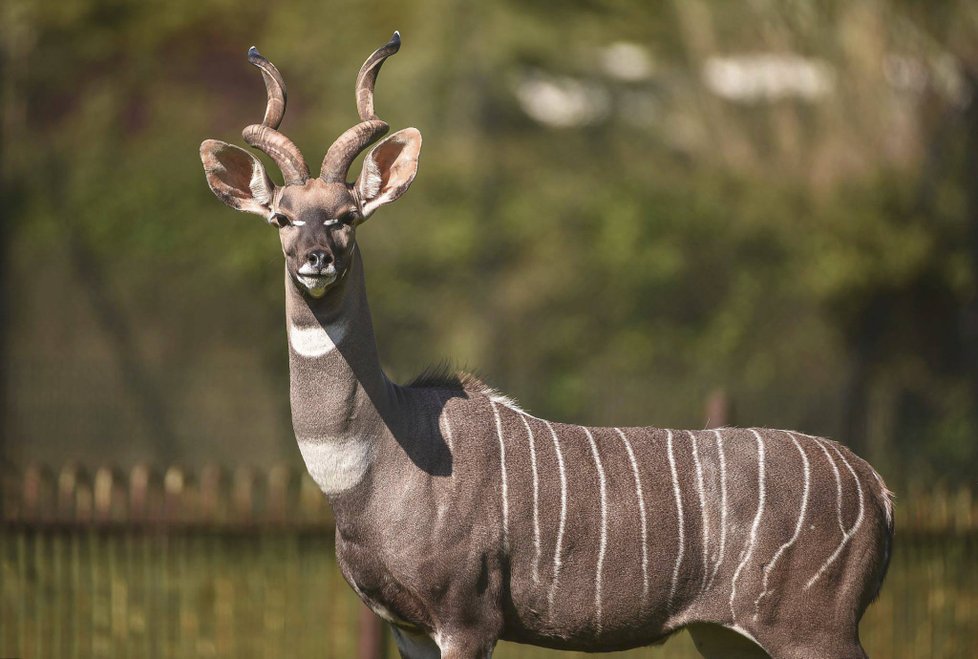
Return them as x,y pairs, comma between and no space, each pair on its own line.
316,217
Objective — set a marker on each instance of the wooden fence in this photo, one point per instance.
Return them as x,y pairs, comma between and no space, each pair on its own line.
239,563
213,497
284,496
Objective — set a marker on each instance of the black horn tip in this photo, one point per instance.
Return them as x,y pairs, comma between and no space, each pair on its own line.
254,55
395,40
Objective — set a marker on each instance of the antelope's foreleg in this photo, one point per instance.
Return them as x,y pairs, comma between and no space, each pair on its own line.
458,645
415,645
715,642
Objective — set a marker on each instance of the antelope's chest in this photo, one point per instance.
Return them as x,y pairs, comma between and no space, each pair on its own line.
386,584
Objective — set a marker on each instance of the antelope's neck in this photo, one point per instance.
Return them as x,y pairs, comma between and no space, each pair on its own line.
339,393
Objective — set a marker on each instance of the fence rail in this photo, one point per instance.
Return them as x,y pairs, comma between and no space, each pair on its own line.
240,563
285,496
213,497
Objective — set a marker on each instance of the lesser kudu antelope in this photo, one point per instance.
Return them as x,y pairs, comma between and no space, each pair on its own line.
463,520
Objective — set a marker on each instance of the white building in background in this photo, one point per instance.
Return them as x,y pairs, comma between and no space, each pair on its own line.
767,77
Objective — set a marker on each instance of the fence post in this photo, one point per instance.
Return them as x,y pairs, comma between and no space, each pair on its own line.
36,491
174,503
145,496
371,632
109,496
243,499
718,409
213,494
279,500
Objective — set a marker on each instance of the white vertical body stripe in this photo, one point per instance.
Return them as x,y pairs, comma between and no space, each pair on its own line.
563,517
604,526
641,512
838,482
679,517
703,511
798,526
749,549
536,501
723,509
502,467
846,535
446,428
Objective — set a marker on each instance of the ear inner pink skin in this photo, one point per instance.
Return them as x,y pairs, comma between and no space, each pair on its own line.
461,519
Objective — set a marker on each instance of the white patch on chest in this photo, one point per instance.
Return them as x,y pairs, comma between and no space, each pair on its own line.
315,341
380,609
336,464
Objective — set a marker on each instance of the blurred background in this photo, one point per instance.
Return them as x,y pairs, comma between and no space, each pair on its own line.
681,214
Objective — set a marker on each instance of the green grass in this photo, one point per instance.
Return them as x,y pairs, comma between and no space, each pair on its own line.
125,593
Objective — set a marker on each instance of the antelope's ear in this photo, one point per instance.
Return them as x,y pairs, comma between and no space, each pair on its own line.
388,170
236,177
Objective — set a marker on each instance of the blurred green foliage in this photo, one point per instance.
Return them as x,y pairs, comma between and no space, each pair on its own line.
811,253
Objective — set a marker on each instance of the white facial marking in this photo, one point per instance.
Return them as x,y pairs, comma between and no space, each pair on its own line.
749,549
604,526
336,464
798,526
723,508
502,467
563,517
641,512
315,280
315,341
701,490
846,535
330,222
298,223
536,501
679,516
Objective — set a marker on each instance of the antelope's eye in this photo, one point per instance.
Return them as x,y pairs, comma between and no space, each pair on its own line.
347,218
279,220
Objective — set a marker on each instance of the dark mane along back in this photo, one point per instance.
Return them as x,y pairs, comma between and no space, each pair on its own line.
444,376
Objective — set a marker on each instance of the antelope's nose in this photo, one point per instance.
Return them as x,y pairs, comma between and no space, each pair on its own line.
319,259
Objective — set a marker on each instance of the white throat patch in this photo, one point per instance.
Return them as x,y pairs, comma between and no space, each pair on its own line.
315,341
336,464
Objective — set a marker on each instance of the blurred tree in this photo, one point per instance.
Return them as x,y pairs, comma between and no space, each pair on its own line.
621,208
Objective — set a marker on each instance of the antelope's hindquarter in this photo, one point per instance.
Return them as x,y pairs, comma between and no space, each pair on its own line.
617,537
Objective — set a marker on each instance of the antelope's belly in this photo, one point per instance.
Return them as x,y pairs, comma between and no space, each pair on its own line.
590,593
572,622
